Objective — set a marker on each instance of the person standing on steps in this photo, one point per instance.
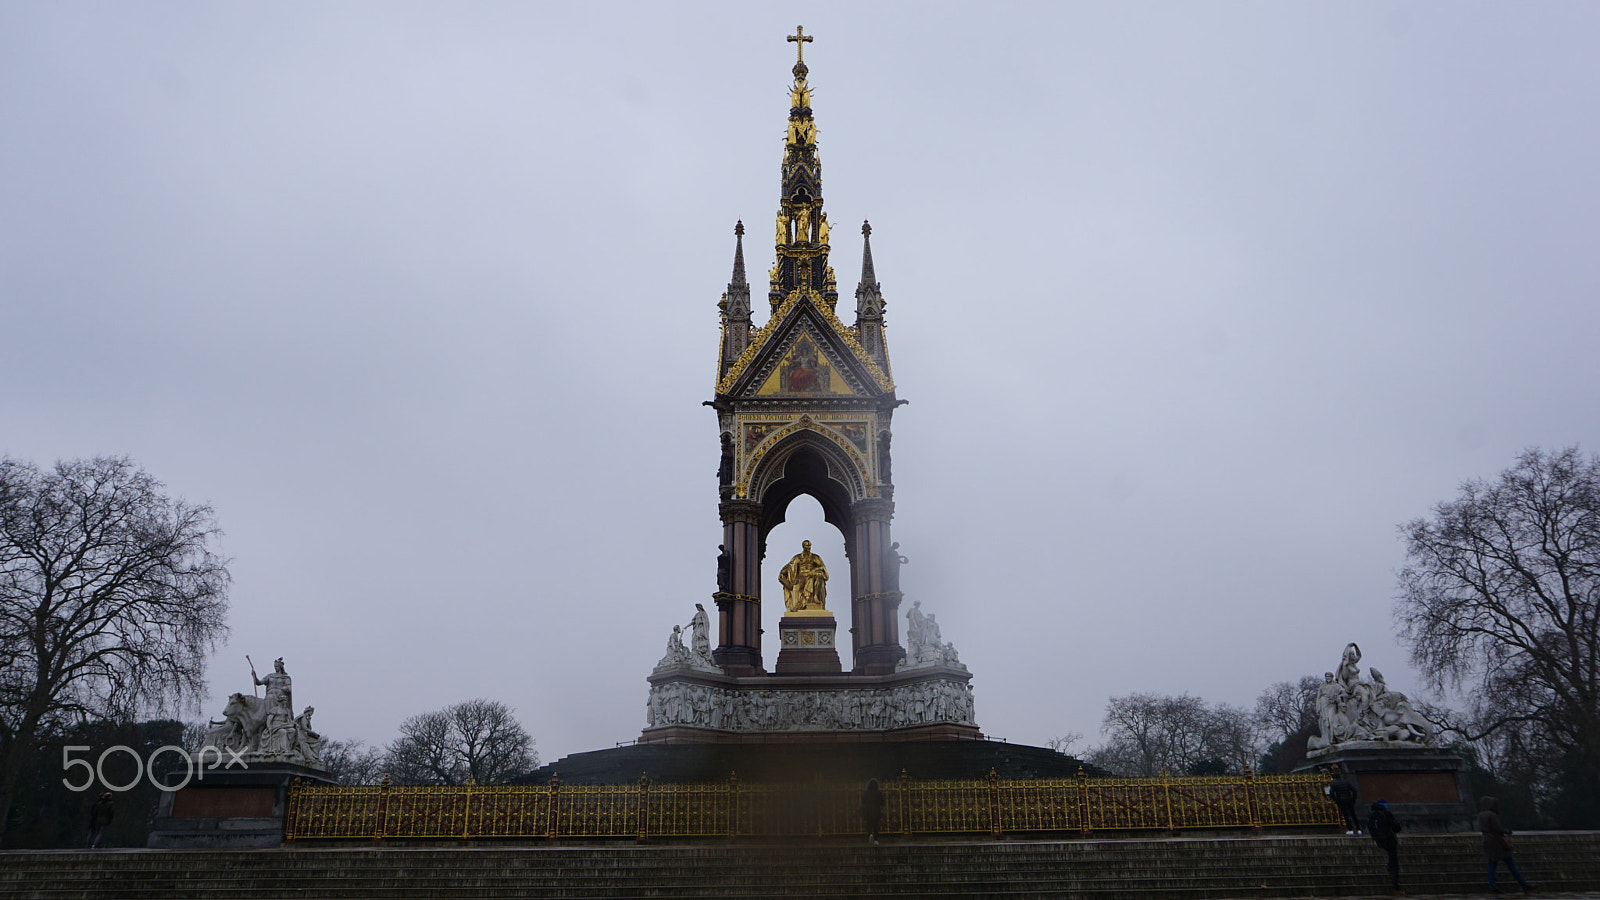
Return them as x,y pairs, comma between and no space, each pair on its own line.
1384,828
1343,794
100,816
872,810
1497,843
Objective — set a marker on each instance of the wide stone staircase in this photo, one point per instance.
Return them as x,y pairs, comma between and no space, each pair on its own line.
1558,863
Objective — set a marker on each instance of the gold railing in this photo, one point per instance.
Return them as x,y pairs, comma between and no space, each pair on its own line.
730,809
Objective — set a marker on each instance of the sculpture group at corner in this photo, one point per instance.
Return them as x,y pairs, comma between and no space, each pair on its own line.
265,729
925,646
697,655
1353,711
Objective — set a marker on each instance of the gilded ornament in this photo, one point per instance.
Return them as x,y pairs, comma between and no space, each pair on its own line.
805,583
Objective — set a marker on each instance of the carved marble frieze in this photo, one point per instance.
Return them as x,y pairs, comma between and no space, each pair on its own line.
930,702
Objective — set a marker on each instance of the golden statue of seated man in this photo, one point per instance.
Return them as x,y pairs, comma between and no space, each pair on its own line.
805,581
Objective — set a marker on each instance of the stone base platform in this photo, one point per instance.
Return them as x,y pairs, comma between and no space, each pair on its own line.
848,758
229,808
1427,788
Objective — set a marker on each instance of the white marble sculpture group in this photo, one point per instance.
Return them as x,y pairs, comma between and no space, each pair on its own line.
1355,712
265,729
924,645
697,655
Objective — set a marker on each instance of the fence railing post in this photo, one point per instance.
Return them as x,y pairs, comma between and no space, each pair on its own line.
292,812
1250,794
1166,796
466,808
383,809
733,805
905,802
644,807
1083,803
555,801
994,803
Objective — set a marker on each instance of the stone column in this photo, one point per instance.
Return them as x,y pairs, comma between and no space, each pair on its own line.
738,649
875,591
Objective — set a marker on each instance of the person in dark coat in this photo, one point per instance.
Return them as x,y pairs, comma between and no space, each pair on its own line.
872,810
1343,794
100,815
1384,828
1497,843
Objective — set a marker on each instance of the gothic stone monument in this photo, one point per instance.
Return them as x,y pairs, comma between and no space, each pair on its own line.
804,405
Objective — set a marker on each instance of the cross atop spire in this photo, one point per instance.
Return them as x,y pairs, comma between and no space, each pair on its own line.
800,40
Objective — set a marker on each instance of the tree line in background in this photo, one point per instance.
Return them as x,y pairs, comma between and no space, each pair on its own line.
1499,602
477,741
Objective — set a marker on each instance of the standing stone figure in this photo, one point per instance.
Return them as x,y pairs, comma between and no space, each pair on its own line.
724,570
700,636
1330,718
805,581
277,735
892,561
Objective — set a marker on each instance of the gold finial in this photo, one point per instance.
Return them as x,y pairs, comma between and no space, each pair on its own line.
800,39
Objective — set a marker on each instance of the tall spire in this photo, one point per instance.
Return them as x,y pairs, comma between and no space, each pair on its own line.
738,284
802,228
868,276
869,302
735,306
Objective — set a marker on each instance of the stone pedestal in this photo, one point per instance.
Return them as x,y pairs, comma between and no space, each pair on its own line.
239,808
808,645
1427,788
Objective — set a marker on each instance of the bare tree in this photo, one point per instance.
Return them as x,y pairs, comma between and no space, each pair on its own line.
477,739
353,762
1147,734
110,600
1286,715
1063,743
1501,595
1287,707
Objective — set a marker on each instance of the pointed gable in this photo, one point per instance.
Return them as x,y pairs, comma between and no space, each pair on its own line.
804,351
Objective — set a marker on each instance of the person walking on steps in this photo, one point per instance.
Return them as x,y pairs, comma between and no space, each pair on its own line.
1343,794
1497,843
872,810
1383,827
100,815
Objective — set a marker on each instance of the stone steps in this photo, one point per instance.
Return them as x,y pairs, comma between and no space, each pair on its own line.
1175,869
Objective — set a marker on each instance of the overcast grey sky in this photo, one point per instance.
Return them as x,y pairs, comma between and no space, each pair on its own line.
1194,304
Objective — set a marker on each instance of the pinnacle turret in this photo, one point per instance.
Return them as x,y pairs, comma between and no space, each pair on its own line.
735,305
869,302
738,288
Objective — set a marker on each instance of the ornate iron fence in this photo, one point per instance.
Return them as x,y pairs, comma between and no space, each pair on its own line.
730,809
